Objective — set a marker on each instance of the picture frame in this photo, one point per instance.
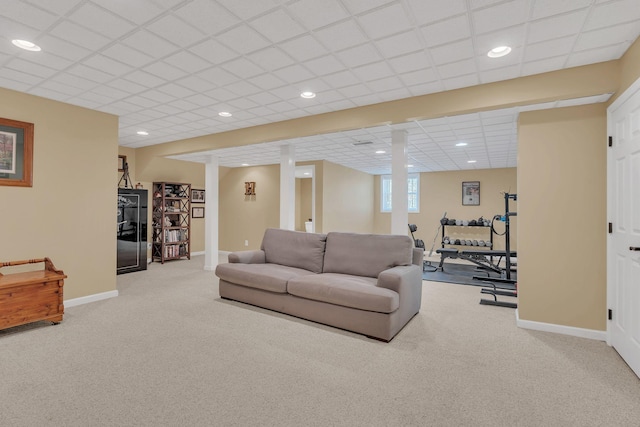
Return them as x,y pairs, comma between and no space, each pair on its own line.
16,153
471,193
197,196
197,212
122,160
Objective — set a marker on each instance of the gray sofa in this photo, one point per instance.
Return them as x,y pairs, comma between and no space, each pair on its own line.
365,283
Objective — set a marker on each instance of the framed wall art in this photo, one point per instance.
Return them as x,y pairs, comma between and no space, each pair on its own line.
197,212
16,153
197,196
471,193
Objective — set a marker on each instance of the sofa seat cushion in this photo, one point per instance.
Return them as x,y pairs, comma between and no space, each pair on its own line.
268,277
345,290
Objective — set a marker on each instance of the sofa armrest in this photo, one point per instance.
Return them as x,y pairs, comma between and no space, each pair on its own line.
406,280
248,257
418,256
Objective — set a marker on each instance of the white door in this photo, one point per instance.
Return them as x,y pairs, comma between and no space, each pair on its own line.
623,244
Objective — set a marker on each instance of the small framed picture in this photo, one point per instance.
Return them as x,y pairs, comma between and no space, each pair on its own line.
197,196
122,160
197,212
471,193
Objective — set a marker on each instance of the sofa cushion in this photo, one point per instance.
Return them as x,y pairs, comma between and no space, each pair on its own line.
294,248
268,277
345,290
366,254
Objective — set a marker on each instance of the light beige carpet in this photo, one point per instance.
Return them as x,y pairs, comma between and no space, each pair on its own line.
169,352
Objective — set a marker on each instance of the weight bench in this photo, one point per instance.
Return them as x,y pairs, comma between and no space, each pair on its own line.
481,258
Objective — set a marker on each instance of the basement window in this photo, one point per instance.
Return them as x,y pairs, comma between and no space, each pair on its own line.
413,190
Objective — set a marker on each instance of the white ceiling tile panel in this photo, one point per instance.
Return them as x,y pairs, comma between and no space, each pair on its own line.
374,71
277,26
218,76
607,36
213,51
127,55
139,11
556,27
101,21
242,68
584,57
557,47
31,68
460,68
144,79
341,36
613,13
62,48
425,12
341,79
271,58
399,44
247,9
453,52
543,65
359,6
266,81
150,43
293,74
315,14
325,65
303,48
505,14
80,36
209,17
176,30
23,12
448,31
251,39
376,23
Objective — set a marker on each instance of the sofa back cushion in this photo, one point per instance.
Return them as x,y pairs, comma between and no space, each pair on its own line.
366,254
294,248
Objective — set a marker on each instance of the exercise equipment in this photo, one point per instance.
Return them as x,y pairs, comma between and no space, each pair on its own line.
512,286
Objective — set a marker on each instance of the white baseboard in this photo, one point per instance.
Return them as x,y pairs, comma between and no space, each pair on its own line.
90,298
197,253
561,329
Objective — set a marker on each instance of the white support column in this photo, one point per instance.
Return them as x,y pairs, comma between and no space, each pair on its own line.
399,176
211,213
287,187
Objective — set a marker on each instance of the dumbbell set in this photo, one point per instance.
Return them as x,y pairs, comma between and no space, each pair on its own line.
480,222
465,242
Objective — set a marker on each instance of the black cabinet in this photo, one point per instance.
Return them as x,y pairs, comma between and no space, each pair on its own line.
132,230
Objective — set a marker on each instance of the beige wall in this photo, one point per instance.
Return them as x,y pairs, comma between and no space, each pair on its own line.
441,192
69,213
348,200
304,196
246,217
562,224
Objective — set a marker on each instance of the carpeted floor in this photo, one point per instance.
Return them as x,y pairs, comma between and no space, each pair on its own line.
459,273
169,352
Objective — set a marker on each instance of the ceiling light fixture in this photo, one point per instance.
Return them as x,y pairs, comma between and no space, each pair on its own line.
142,132
471,161
26,45
499,51
225,114
461,144
380,152
308,95
245,164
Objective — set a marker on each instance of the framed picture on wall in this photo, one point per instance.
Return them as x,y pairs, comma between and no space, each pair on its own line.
16,153
197,196
471,193
122,160
197,212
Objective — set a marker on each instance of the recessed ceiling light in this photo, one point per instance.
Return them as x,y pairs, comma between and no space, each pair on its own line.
380,152
471,161
307,173
499,51
225,114
461,144
308,95
26,45
142,132
245,164
409,166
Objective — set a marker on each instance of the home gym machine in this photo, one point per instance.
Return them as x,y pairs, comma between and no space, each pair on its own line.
503,286
419,243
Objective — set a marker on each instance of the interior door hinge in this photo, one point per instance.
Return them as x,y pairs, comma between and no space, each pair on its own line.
610,141
610,227
610,314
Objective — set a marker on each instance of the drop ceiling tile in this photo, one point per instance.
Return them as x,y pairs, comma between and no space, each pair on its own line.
376,23
499,16
31,68
551,48
165,71
359,6
149,43
175,90
59,88
23,12
247,9
277,26
138,11
242,68
453,52
585,57
460,68
81,36
400,44
325,65
175,29
101,21
196,84
242,88
374,71
341,79
315,14
125,54
266,81
187,62
213,51
303,48
251,39
209,17
498,74
607,36
293,74
270,58
107,65
90,73
341,36
444,32
613,13
556,26
221,94
543,65
63,49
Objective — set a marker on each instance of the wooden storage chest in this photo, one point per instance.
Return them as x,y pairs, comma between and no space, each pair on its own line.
31,296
